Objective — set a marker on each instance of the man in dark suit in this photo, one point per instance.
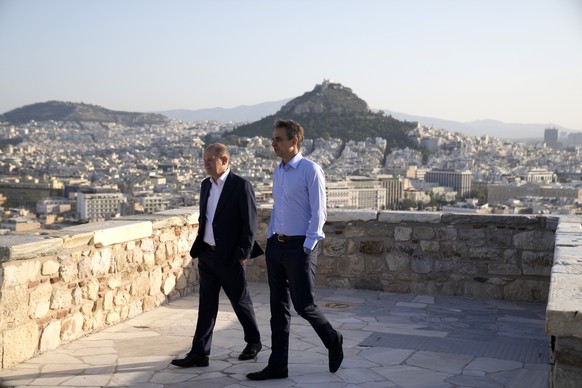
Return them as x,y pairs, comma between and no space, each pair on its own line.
226,239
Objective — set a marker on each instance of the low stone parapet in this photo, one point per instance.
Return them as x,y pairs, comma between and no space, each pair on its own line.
564,311
60,285
483,256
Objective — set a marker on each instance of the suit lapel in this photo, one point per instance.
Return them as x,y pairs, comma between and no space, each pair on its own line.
204,194
227,191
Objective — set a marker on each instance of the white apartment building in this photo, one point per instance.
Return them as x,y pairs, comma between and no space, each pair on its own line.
99,206
53,205
459,181
356,193
154,203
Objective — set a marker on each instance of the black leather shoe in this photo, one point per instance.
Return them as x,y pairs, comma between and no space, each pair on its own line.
336,353
250,351
191,360
269,373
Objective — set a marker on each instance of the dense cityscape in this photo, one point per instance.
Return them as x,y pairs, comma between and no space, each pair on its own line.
60,173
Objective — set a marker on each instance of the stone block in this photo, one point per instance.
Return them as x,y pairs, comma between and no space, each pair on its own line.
368,283
504,269
348,215
155,278
21,272
49,268
402,233
108,301
91,290
334,246
121,298
39,301
325,265
484,253
68,271
421,264
446,265
489,219
181,282
141,285
147,245
24,246
101,262
372,247
446,233
398,261
61,298
397,217
135,309
527,290
351,265
113,318
535,240
379,229
375,264
423,232
468,233
564,310
454,249
51,336
537,263
430,246
160,255
14,304
149,260
169,284
424,288
19,343
354,230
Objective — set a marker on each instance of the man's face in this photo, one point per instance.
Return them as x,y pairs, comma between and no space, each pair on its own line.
215,165
282,145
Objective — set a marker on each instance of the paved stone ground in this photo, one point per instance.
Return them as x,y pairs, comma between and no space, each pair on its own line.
390,340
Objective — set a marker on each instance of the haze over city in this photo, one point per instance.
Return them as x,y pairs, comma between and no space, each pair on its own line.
513,61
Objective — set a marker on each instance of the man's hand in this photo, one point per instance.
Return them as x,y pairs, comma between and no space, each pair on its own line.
242,261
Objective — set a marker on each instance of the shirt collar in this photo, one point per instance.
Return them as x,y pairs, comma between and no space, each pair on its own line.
221,179
293,162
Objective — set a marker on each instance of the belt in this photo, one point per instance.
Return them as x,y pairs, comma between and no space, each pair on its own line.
282,238
208,246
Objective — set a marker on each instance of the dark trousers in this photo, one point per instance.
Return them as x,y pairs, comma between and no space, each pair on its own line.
292,272
216,273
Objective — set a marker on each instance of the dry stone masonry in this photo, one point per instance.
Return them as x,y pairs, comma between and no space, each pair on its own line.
57,286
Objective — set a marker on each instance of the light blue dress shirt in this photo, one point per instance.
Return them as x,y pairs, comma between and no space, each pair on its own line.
299,201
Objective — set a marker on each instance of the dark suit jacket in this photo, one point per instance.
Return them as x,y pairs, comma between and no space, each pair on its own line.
235,220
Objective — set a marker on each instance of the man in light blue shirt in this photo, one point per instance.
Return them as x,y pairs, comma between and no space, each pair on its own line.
295,230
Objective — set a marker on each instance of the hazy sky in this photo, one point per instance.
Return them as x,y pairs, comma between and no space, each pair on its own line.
510,60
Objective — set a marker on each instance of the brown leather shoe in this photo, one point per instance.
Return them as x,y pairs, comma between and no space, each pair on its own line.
250,351
191,360
269,373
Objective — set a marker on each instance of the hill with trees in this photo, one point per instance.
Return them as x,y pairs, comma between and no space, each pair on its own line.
71,111
332,110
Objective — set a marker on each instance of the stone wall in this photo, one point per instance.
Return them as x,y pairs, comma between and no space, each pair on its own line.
564,312
484,256
61,285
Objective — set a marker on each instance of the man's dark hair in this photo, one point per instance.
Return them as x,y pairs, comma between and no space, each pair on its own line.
294,130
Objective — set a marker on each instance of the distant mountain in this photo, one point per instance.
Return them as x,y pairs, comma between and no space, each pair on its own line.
484,127
332,110
71,111
239,113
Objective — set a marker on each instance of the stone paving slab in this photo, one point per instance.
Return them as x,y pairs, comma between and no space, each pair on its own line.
137,352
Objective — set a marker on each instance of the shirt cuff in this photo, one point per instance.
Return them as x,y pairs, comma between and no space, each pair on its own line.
309,243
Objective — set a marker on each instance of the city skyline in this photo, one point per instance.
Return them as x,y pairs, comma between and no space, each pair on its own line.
464,61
